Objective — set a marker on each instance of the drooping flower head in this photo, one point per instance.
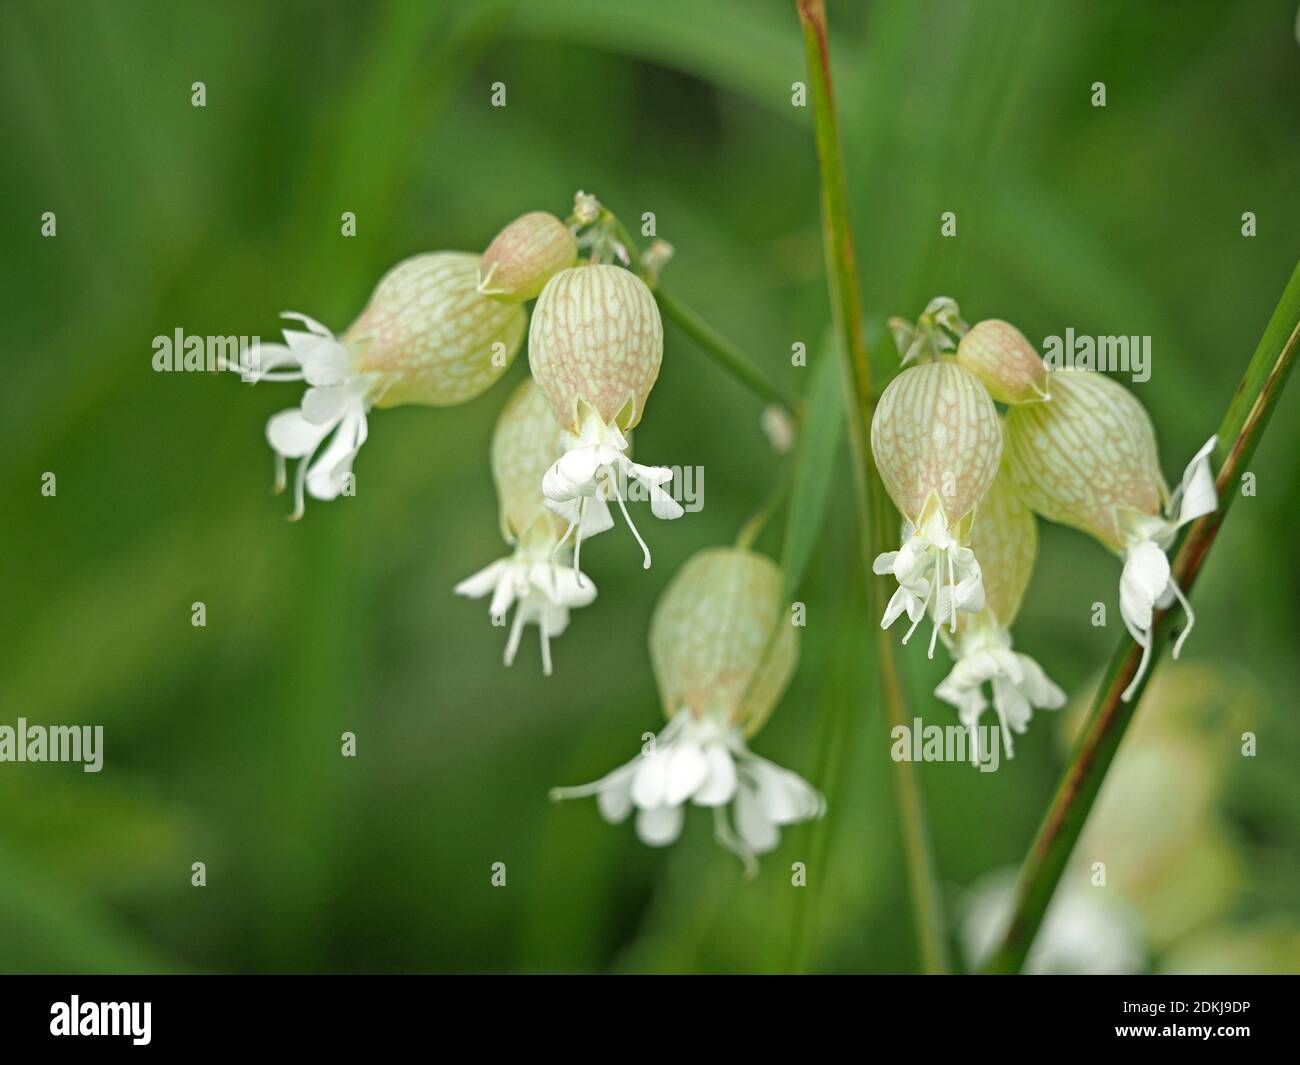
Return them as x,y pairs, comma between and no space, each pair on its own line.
526,441
937,442
723,652
426,337
524,256
594,346
1088,459
1006,539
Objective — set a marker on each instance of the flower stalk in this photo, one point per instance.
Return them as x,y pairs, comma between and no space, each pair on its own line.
877,522
1238,436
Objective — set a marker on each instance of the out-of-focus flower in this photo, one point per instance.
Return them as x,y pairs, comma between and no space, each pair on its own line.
1088,459
595,345
426,337
723,654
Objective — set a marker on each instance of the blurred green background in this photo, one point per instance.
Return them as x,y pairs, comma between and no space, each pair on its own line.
222,743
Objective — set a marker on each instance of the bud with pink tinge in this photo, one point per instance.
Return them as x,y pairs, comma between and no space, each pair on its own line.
524,256
1004,361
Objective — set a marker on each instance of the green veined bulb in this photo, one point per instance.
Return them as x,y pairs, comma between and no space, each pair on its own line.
723,652
1005,539
936,441
524,256
709,634
1088,459
1086,456
1005,362
429,337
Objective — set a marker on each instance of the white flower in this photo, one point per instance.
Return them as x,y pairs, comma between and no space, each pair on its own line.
702,761
933,571
334,407
594,469
544,591
1147,582
1020,686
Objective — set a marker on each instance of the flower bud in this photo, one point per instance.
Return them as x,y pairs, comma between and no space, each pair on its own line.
710,637
596,340
1004,361
526,442
1085,456
936,441
429,337
524,256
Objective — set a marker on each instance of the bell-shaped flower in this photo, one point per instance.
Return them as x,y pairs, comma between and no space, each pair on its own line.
1006,537
1088,459
426,337
524,256
541,588
595,345
723,652
937,441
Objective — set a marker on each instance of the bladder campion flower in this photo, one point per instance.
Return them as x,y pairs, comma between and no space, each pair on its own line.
594,346
524,256
1005,362
1088,459
1006,539
937,442
426,337
723,652
526,441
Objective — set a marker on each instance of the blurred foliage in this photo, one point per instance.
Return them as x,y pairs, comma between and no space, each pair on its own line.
222,743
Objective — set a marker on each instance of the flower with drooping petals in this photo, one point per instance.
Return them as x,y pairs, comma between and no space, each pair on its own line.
937,441
723,654
1006,538
594,346
425,337
525,442
1088,459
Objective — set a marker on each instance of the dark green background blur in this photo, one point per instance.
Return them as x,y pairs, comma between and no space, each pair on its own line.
222,743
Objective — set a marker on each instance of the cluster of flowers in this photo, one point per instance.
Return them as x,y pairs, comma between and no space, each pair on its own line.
1074,447
439,330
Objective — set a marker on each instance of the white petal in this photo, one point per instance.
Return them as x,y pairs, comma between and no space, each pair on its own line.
687,769
1039,687
1145,577
884,563
614,799
659,825
786,796
292,435
720,784
752,822
484,581
1197,490
324,406
651,778
596,517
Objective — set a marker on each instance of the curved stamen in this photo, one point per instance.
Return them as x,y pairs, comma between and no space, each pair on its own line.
516,632
1191,617
645,551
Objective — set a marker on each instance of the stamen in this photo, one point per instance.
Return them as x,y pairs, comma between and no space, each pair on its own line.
278,487
952,590
1127,694
727,838
938,576
1187,609
546,648
299,485
516,632
577,542
627,518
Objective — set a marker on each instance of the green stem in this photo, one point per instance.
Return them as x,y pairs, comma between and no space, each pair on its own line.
1239,434
876,522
